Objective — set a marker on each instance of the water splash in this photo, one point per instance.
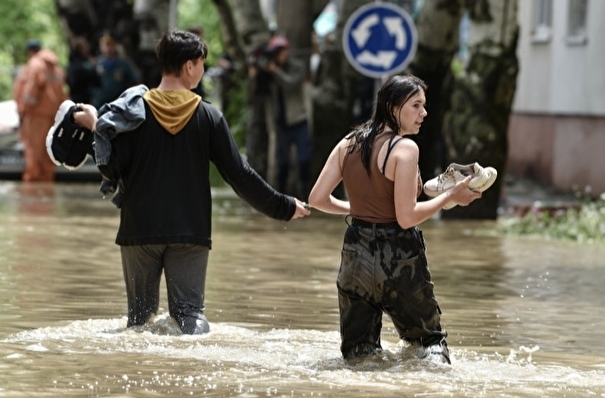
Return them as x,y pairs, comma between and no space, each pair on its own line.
244,359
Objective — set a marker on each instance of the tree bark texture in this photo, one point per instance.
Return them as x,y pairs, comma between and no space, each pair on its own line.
476,126
334,93
233,46
295,22
438,40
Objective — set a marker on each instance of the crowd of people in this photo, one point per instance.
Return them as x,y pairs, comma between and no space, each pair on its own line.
40,88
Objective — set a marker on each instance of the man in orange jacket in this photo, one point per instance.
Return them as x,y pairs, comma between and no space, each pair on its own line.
38,92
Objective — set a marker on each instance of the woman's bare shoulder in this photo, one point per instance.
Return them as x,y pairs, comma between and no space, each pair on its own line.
405,146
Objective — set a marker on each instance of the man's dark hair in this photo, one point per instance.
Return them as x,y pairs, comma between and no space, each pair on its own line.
176,47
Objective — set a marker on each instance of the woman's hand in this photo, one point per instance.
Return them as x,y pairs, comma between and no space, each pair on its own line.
461,194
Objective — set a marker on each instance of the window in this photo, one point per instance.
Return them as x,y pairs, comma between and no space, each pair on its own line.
576,23
542,21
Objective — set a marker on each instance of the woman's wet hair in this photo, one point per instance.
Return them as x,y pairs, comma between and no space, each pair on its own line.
393,94
176,47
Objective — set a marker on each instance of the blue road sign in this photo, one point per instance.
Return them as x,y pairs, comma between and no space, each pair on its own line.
380,39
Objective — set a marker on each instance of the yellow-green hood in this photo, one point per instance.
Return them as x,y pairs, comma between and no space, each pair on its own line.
172,108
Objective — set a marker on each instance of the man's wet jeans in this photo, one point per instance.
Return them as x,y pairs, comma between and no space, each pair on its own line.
184,267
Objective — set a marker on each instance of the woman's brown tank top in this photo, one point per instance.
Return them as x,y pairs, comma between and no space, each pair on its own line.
371,197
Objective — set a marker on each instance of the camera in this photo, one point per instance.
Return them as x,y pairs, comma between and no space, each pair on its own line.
261,56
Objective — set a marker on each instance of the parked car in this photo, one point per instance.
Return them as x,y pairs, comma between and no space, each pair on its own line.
12,160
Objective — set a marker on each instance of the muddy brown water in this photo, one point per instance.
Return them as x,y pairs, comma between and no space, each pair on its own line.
524,316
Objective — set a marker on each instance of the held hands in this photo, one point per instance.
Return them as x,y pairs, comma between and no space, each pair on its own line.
86,117
302,210
461,194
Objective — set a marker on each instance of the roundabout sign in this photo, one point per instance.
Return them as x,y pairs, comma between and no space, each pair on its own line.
379,39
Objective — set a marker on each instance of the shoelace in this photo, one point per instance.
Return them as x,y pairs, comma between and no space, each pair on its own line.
448,172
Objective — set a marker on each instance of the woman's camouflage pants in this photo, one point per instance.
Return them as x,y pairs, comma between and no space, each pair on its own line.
384,269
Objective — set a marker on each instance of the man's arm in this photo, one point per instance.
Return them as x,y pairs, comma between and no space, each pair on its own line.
246,183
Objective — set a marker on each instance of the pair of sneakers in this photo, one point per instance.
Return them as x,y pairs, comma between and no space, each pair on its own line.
482,179
67,143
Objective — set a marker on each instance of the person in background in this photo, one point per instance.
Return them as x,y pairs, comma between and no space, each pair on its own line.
81,77
290,115
227,67
161,156
38,92
259,91
116,73
383,265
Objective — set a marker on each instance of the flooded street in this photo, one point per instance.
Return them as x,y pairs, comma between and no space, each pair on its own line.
524,316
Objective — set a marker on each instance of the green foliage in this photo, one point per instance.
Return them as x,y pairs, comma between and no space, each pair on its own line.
583,224
236,114
20,21
202,14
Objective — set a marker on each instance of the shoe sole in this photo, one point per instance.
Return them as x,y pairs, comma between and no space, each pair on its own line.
59,116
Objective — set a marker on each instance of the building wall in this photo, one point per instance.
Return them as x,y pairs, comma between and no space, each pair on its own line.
557,129
567,152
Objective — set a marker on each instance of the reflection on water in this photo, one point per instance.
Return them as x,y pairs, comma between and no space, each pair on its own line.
523,316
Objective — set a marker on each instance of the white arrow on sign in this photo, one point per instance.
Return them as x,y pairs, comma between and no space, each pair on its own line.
383,59
394,26
361,34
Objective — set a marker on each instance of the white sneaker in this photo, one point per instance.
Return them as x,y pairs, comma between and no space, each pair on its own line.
483,178
438,353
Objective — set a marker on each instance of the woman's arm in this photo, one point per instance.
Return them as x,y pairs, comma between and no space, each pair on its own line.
403,167
321,196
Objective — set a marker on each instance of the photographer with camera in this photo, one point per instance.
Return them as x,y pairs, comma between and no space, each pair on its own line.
257,135
288,109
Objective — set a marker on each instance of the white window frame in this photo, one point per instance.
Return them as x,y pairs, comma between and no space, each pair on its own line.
541,21
577,17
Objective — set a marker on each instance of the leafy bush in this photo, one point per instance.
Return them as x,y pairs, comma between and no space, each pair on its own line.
584,223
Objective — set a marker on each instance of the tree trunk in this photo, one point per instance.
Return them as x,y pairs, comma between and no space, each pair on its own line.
438,40
335,93
295,22
249,23
476,127
229,32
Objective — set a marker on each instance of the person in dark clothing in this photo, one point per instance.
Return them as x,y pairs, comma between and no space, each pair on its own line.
383,264
259,93
290,115
228,68
162,165
116,73
81,75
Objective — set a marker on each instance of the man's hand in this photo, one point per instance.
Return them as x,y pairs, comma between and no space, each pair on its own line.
86,116
302,210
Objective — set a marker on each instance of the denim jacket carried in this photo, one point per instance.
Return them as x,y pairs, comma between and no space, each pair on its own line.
120,116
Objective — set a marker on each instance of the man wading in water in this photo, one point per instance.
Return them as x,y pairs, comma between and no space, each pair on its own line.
155,147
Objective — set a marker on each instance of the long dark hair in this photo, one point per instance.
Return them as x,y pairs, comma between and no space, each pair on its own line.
393,94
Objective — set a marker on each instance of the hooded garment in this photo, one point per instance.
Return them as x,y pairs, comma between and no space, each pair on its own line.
42,91
172,108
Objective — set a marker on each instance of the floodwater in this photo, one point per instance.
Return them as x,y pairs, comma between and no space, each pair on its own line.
524,316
